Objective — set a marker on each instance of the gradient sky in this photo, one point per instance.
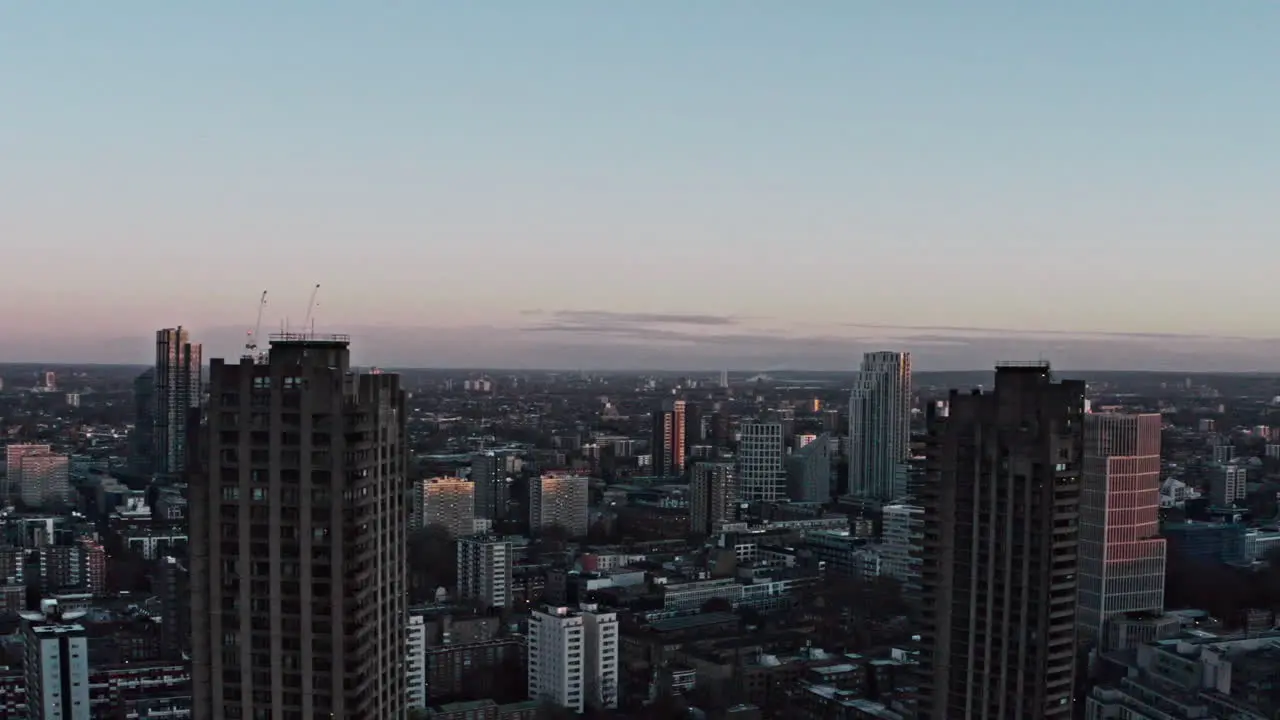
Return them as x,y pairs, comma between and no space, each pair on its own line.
789,173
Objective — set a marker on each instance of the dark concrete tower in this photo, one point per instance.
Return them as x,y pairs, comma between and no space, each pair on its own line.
1001,499
298,521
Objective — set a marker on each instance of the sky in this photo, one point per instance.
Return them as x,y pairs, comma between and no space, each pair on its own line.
667,184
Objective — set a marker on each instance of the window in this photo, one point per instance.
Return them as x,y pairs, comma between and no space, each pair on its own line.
230,492
259,493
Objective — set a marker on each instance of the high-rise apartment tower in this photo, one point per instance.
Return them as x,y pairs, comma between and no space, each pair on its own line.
298,529
713,496
761,474
559,499
880,426
178,388
1122,556
1000,498
669,439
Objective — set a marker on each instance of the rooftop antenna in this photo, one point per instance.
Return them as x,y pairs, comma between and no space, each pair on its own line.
307,325
251,345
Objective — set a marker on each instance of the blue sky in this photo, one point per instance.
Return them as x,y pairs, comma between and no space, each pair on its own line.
459,169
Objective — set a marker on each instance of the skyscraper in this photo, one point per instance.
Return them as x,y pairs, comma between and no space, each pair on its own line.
713,496
670,437
298,532
880,426
1000,499
178,388
1122,556
761,477
142,441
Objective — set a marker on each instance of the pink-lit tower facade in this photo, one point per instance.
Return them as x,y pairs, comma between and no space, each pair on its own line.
1122,556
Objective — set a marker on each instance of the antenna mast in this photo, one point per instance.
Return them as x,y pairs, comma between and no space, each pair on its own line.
251,346
311,306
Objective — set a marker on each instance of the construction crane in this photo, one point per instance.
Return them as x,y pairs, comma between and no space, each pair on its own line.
251,346
311,305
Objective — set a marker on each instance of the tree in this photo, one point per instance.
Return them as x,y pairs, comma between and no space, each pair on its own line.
717,604
548,710
432,562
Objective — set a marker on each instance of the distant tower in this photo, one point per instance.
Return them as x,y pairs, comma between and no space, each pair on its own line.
50,380
724,378
1122,556
880,426
670,437
178,388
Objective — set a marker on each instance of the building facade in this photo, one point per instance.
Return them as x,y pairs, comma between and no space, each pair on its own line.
809,471
56,662
298,536
484,570
669,438
880,426
559,499
178,388
1122,556
713,497
1000,498
492,491
447,502
761,475
573,657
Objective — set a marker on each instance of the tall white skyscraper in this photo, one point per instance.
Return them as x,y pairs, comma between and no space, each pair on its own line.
573,657
761,475
178,388
880,426
1122,556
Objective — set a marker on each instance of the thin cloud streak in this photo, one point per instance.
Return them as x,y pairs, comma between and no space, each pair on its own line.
635,318
1063,333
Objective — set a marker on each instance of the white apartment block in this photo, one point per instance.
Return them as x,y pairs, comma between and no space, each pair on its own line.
416,662
902,531
1228,485
57,669
484,570
559,499
761,475
573,657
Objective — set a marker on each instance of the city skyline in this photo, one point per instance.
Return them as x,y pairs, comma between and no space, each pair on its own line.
631,344
1022,168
